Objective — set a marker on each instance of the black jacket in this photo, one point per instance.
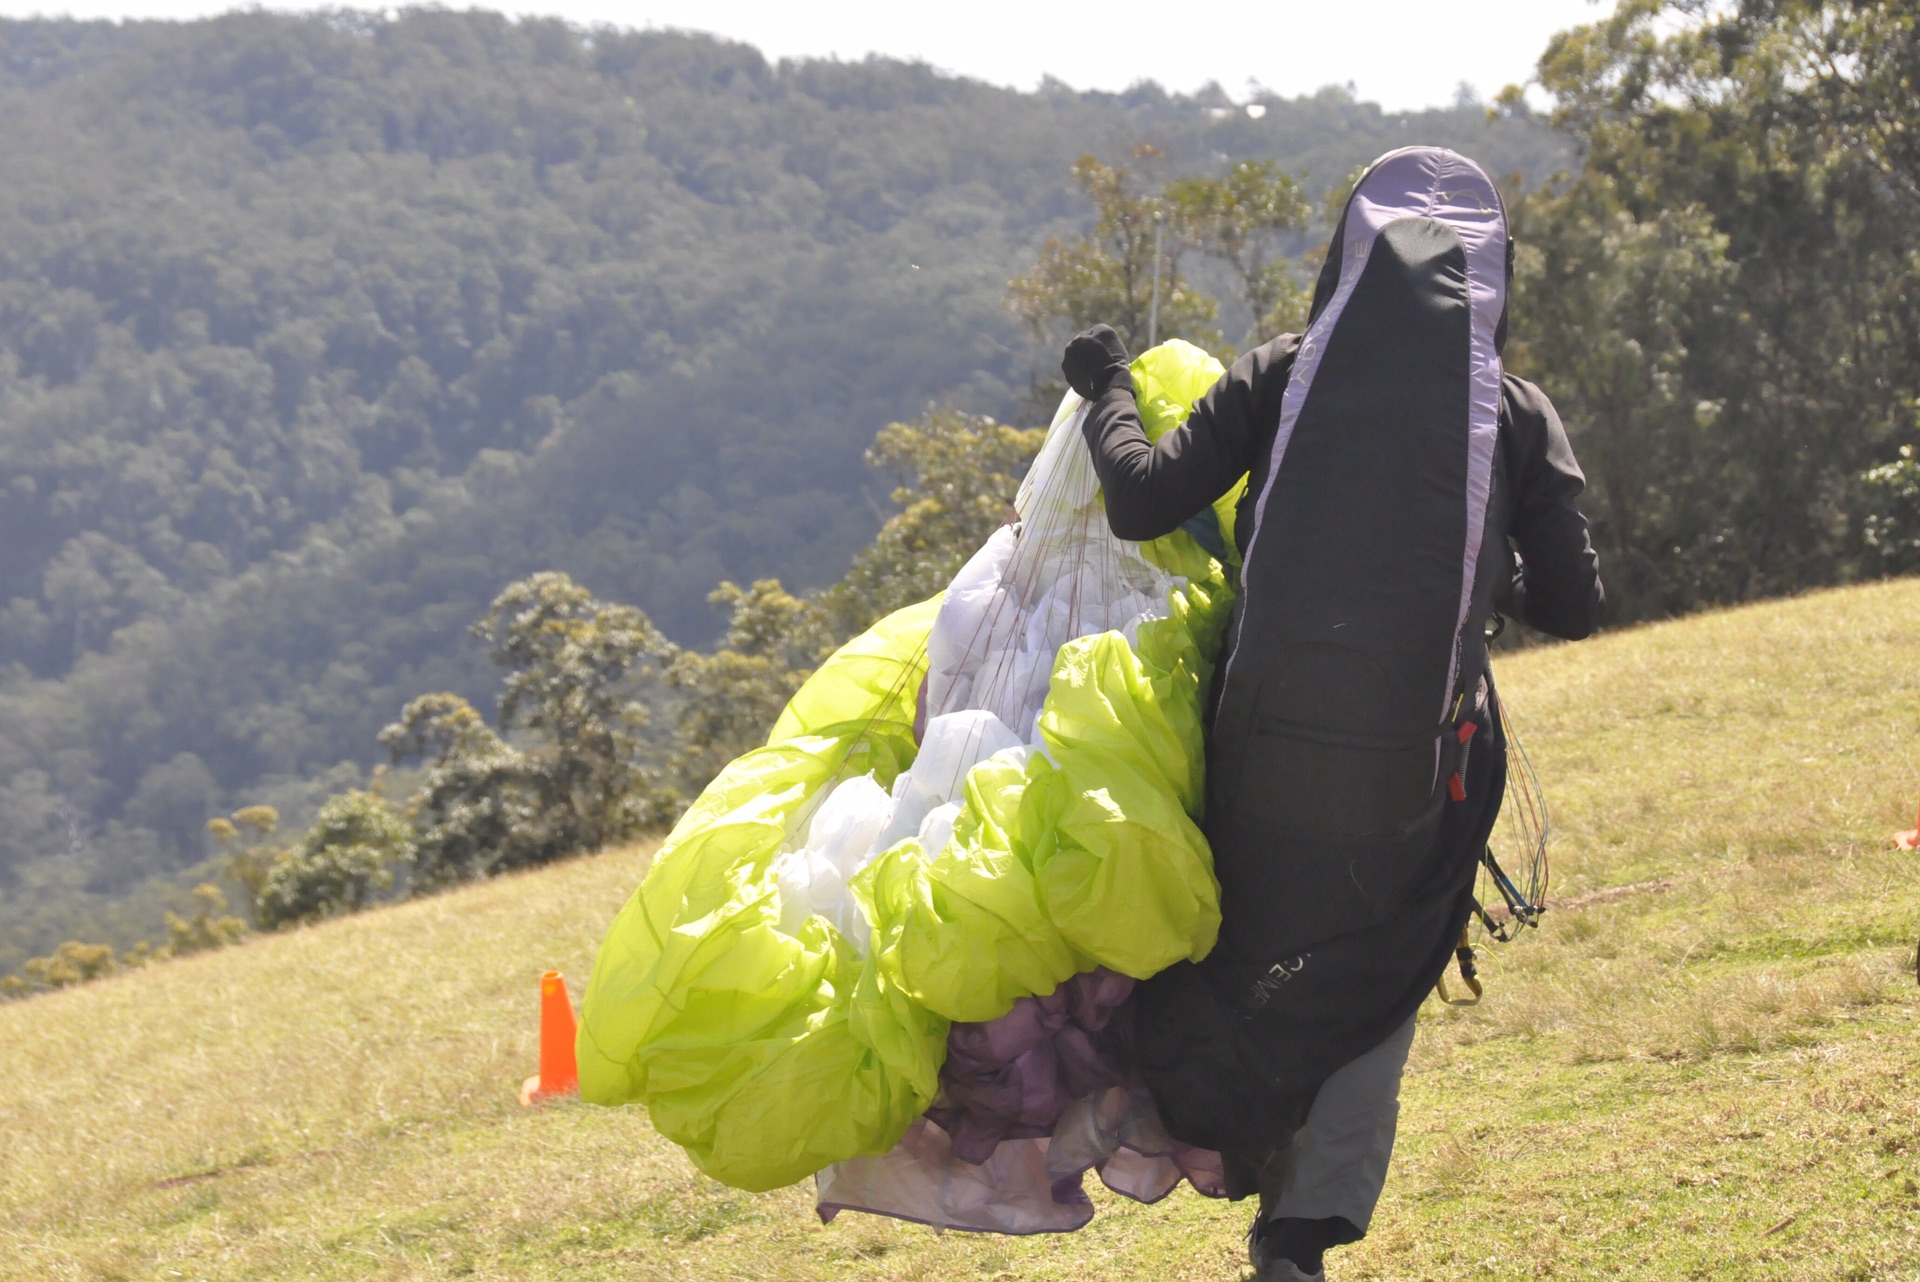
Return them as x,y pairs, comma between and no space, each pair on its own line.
1552,582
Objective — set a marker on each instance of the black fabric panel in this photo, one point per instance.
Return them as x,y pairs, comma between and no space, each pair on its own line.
1267,402
1326,730
1328,281
1234,1063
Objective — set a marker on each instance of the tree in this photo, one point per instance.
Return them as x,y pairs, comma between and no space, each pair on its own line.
959,474
71,963
623,303
585,778
1116,274
571,662
211,926
1780,128
348,857
474,811
1242,219
246,838
1893,526
1610,304
1847,71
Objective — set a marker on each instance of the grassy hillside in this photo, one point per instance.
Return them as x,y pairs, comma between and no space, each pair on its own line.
1701,1067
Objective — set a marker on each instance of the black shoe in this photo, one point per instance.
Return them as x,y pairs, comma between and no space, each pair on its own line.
1281,1250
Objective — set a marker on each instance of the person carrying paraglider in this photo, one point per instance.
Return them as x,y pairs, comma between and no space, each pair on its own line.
1401,489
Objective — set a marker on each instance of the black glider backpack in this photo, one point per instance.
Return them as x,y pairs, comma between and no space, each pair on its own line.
1354,764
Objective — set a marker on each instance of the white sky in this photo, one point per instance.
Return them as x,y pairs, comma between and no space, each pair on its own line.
1402,54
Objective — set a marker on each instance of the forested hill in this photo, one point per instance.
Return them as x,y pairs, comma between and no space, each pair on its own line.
316,331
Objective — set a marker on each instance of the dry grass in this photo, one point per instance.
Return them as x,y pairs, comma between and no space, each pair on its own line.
1704,1070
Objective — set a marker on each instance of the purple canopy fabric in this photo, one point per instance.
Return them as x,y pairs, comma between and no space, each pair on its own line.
1028,1104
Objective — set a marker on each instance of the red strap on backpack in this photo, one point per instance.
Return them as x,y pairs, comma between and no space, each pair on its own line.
1457,785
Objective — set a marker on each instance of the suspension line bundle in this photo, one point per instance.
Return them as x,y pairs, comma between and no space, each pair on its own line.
1522,831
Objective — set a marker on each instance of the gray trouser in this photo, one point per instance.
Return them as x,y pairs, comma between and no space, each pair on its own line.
1337,1162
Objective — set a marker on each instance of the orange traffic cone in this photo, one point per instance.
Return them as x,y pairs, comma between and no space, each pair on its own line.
559,1072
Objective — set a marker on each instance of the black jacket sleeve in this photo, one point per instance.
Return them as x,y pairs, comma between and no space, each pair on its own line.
1151,488
1556,581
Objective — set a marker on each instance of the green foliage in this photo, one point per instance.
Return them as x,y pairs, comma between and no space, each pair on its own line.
316,330
1130,262
1241,219
250,855
571,661
345,859
567,656
1893,528
71,963
959,474
211,926
573,665
1607,305
472,800
1740,262
731,698
1839,74
583,780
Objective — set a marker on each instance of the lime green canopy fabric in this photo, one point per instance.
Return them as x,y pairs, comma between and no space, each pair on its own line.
767,1053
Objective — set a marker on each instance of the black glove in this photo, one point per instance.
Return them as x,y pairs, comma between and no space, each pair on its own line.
1096,362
